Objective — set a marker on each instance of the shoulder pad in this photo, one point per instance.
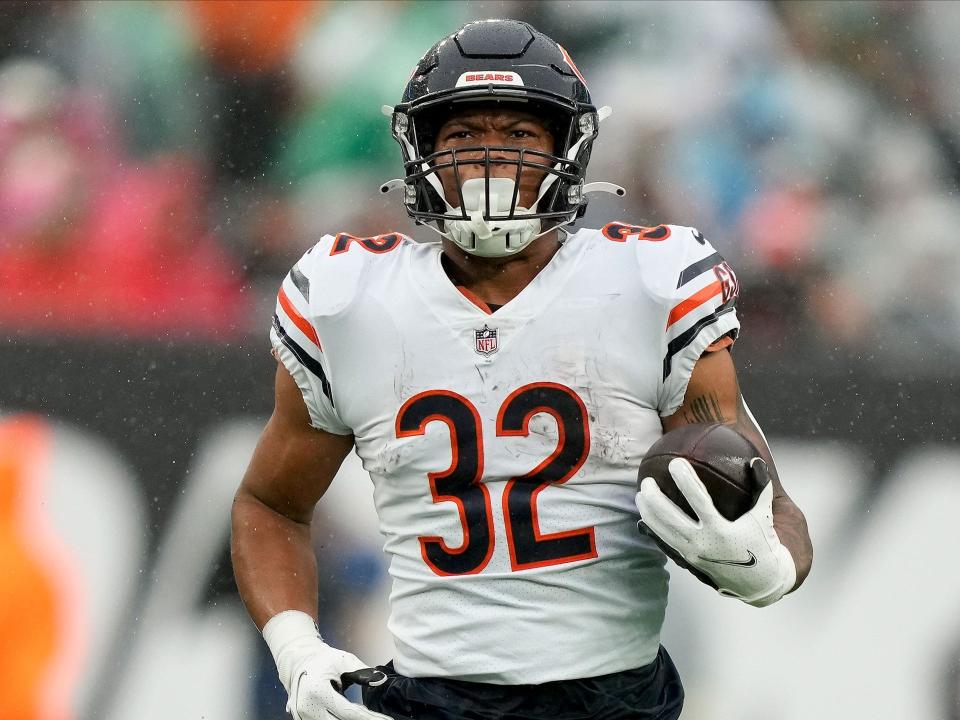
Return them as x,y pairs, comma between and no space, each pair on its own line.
332,272
669,256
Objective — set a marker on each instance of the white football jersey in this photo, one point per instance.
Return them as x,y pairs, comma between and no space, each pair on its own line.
504,446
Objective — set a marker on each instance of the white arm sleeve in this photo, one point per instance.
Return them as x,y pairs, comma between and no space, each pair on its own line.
701,310
297,345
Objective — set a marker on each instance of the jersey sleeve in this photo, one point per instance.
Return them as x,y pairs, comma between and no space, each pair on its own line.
297,344
701,296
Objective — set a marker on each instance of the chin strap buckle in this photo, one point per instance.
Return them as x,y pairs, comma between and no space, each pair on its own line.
604,187
575,193
409,192
391,185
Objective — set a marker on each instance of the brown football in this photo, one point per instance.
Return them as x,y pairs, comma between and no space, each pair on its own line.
720,455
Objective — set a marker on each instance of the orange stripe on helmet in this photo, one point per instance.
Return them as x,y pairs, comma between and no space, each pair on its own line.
566,56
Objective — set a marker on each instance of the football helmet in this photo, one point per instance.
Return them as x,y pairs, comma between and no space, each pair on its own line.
501,63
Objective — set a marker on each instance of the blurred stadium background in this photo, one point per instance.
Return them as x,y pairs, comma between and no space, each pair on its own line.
162,164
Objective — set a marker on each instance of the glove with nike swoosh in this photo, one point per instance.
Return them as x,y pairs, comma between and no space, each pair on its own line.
313,673
743,558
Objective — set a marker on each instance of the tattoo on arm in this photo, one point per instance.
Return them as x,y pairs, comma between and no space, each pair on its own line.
704,409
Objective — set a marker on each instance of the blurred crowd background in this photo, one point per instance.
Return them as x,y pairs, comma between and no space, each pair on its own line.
163,163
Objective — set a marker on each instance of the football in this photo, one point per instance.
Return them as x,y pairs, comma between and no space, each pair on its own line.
720,455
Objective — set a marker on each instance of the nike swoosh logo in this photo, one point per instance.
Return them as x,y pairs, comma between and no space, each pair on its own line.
739,563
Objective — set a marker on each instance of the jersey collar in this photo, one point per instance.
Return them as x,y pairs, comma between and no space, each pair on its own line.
462,315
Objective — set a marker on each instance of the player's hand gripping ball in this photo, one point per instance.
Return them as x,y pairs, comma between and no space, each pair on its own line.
706,499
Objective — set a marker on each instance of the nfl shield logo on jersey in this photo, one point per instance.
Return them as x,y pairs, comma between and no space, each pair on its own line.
486,340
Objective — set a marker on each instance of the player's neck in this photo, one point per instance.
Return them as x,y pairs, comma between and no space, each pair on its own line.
498,280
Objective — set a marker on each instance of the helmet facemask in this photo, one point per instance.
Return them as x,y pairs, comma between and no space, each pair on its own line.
486,215
487,218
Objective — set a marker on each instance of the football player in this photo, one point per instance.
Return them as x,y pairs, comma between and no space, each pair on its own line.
501,387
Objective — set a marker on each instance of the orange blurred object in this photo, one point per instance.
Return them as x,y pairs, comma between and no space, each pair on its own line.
39,655
250,36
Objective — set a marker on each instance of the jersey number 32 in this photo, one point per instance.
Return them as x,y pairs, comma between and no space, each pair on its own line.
462,482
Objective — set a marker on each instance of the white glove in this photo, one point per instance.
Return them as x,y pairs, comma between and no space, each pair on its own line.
743,557
310,670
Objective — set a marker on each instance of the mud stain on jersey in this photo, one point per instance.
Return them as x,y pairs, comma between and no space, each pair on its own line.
610,446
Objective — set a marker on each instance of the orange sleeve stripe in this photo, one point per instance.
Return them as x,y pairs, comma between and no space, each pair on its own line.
299,320
694,301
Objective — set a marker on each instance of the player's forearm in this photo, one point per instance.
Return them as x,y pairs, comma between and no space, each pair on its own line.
273,561
788,519
791,527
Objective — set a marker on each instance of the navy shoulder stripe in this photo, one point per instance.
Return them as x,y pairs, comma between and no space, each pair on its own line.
698,268
301,282
305,359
